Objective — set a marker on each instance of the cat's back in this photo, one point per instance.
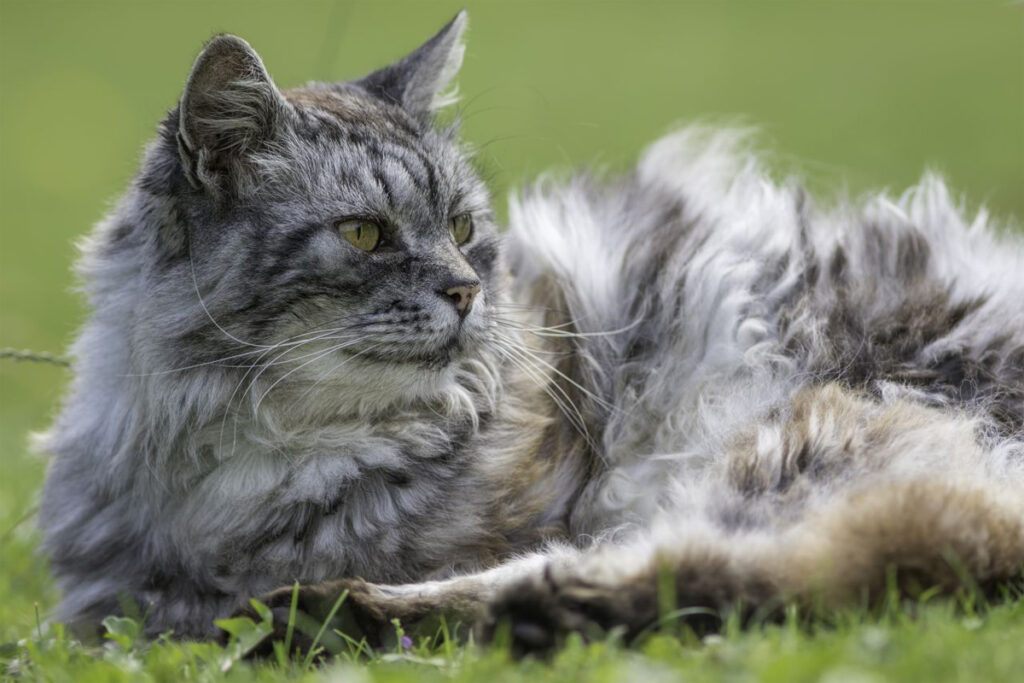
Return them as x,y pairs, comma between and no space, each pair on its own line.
709,296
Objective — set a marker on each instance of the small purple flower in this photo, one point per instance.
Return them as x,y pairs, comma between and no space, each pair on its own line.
406,643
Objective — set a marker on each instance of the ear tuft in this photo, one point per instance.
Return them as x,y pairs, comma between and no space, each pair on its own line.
421,81
229,108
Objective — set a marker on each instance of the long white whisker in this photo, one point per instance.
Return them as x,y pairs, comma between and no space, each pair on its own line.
199,296
276,360
296,369
555,332
519,325
336,367
514,352
499,305
257,364
586,392
290,341
562,401
231,399
351,339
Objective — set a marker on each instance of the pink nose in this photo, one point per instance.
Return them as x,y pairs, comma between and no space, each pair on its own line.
462,296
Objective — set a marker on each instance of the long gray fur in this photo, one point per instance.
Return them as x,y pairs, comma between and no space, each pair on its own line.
195,460
719,365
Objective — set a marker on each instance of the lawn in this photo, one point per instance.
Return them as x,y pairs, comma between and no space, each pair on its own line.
850,95
942,642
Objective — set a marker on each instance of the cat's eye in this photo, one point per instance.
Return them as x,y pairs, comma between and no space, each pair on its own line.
361,234
461,228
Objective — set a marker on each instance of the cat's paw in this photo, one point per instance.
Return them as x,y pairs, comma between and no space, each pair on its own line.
346,602
538,614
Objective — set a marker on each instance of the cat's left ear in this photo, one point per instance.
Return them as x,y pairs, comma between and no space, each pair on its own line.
420,82
229,110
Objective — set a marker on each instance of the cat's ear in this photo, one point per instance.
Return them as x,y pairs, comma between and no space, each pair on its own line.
420,82
229,109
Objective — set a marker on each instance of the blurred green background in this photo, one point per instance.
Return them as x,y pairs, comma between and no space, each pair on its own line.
852,95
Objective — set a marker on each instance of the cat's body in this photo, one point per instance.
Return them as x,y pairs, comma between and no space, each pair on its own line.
690,363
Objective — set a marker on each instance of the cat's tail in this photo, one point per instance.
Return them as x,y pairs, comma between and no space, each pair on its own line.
899,541
847,505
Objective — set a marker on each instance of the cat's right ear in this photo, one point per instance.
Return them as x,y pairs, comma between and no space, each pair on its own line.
420,81
230,108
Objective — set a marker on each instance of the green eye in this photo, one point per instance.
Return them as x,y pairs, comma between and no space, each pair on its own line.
363,235
461,228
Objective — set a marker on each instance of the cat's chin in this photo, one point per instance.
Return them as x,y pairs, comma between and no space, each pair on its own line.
381,384
429,358
399,371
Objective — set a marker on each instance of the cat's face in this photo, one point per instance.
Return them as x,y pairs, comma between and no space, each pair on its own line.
366,222
336,219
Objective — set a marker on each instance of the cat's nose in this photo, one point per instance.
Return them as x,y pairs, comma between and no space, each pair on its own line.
462,295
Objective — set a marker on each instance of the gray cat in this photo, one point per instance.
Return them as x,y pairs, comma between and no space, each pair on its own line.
312,358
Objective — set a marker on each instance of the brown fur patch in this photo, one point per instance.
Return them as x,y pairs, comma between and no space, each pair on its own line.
888,517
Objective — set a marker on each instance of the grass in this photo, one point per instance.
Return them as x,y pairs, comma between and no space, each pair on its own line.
945,641
852,95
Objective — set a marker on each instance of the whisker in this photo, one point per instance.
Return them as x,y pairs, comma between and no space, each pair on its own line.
525,327
516,351
317,357
202,303
526,307
263,366
336,367
290,341
561,399
555,332
230,401
586,392
276,360
333,370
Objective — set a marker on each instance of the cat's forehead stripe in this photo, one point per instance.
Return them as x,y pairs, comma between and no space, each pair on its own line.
397,158
405,174
415,166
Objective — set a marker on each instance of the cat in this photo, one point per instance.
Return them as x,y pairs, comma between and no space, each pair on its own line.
312,357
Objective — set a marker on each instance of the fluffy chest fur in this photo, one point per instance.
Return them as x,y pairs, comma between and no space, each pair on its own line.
306,502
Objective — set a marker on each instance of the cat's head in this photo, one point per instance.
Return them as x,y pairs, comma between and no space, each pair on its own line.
338,214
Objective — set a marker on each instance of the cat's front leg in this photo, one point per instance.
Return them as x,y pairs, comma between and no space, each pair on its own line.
368,610
625,590
349,606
